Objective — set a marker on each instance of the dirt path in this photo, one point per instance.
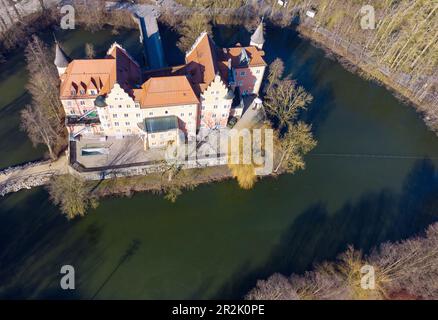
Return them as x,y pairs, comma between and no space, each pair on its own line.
31,175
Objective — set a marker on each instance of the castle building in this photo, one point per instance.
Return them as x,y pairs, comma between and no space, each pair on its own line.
114,97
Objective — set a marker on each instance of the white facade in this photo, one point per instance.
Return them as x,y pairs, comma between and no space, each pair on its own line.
215,105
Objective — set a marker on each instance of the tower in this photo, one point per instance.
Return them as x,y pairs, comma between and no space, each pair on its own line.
61,59
258,39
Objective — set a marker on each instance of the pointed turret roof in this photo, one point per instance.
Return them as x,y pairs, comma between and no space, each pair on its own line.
258,37
61,59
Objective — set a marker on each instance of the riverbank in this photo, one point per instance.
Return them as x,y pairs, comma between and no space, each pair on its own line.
367,71
31,175
396,271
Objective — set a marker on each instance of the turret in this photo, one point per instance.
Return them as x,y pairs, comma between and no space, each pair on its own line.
258,38
61,59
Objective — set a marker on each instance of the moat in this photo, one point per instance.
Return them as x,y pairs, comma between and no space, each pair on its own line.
371,178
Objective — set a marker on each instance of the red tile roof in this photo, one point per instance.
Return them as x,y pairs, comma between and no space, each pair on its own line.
165,91
100,74
201,62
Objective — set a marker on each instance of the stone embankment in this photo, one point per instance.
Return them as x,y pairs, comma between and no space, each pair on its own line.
30,175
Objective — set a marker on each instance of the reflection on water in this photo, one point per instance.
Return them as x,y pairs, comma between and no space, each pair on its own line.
372,178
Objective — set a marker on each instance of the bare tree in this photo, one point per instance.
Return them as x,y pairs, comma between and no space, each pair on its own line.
34,122
275,72
297,142
72,195
409,266
89,51
43,120
284,100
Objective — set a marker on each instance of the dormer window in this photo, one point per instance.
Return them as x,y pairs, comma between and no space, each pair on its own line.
83,88
73,89
93,92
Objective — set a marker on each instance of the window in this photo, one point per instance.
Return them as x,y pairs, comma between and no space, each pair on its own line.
126,115
202,116
128,106
138,115
258,71
116,124
242,73
151,113
128,130
224,115
72,112
82,91
166,112
215,106
213,115
137,105
190,113
82,102
127,123
114,115
182,114
240,83
93,92
69,103
217,92
111,106
73,92
203,108
120,106
152,135
85,111
225,106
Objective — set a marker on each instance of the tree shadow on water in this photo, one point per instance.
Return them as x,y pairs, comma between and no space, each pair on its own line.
318,235
130,251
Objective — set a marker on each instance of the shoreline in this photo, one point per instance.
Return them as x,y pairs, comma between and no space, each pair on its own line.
364,71
157,182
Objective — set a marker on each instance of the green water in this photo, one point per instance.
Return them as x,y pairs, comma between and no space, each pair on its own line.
215,241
